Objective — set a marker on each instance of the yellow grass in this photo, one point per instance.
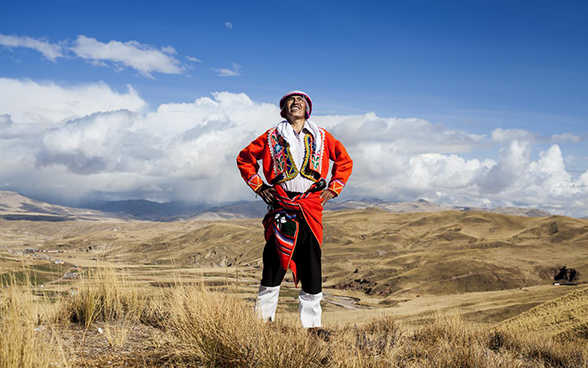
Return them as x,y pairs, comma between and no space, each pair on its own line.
27,339
565,317
104,295
187,326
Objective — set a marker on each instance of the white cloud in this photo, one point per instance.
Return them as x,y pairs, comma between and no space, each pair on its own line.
187,152
500,135
569,137
223,72
32,102
169,50
144,58
50,50
229,25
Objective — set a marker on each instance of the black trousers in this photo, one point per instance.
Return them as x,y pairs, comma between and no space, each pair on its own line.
307,256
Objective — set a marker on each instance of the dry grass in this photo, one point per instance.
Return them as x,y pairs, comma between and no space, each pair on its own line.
188,326
26,337
104,295
217,330
565,317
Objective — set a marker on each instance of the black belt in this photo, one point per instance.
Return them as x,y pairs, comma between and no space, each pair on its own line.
291,194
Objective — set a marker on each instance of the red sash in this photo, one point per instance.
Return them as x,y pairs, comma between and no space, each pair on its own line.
305,206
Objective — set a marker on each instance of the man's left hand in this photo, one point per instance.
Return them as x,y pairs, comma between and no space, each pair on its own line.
326,195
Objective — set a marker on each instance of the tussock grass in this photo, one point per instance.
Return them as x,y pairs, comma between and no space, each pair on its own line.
26,339
218,330
188,326
104,295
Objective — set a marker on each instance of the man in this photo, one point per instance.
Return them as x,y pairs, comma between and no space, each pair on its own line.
295,157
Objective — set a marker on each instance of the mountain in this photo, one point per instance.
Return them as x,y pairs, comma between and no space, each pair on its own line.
513,211
151,211
422,205
14,206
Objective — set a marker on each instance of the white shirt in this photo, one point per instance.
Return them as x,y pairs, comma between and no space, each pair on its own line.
299,183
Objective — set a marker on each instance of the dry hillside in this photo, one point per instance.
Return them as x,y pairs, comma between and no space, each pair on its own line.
563,317
490,266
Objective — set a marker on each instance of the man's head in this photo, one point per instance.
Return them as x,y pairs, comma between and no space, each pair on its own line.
295,104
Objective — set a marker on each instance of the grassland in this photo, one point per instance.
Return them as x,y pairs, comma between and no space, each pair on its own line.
445,289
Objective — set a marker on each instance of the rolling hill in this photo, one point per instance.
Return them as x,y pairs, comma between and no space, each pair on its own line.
563,317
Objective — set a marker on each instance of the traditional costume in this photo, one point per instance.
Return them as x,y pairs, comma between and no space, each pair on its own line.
296,164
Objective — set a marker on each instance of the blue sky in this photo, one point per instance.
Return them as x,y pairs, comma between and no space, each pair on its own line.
466,66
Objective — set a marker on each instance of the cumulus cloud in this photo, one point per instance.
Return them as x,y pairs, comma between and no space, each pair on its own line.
224,72
193,59
26,101
49,50
144,58
187,151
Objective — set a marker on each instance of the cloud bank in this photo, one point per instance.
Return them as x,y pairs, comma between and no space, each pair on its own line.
74,148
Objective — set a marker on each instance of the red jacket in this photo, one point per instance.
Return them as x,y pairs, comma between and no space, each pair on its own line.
278,165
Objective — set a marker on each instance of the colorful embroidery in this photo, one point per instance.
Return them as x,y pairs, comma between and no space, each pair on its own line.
284,167
255,182
309,150
317,155
336,186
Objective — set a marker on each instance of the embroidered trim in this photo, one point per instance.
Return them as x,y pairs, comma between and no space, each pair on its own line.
316,160
283,163
255,182
336,186
306,171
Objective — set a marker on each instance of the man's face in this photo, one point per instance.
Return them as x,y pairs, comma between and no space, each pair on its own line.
296,106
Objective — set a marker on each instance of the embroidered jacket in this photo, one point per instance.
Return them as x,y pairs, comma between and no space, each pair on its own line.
278,165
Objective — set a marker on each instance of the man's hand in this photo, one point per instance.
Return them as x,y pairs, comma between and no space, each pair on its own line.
326,195
267,193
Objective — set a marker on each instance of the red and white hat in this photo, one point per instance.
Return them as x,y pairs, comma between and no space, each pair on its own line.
296,93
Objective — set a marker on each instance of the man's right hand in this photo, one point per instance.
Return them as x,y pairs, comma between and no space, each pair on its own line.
267,193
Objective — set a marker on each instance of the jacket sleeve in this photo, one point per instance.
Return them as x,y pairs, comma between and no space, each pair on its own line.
342,164
247,161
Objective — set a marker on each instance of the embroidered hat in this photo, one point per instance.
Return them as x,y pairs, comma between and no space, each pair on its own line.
296,93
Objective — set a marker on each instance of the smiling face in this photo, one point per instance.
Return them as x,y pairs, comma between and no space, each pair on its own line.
295,107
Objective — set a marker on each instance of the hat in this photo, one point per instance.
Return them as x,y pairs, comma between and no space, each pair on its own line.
296,93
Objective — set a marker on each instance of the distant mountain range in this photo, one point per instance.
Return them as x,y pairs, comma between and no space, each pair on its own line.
14,206
422,205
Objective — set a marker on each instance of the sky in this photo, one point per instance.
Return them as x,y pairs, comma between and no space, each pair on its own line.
470,103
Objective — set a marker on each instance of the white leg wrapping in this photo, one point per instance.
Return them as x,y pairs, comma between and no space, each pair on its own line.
310,309
267,302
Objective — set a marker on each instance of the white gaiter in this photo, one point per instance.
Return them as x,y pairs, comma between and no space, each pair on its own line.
267,302
310,309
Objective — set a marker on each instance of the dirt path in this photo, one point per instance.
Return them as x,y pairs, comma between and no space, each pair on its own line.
343,301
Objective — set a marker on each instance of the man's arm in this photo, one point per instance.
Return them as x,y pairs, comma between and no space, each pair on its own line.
248,166
342,166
